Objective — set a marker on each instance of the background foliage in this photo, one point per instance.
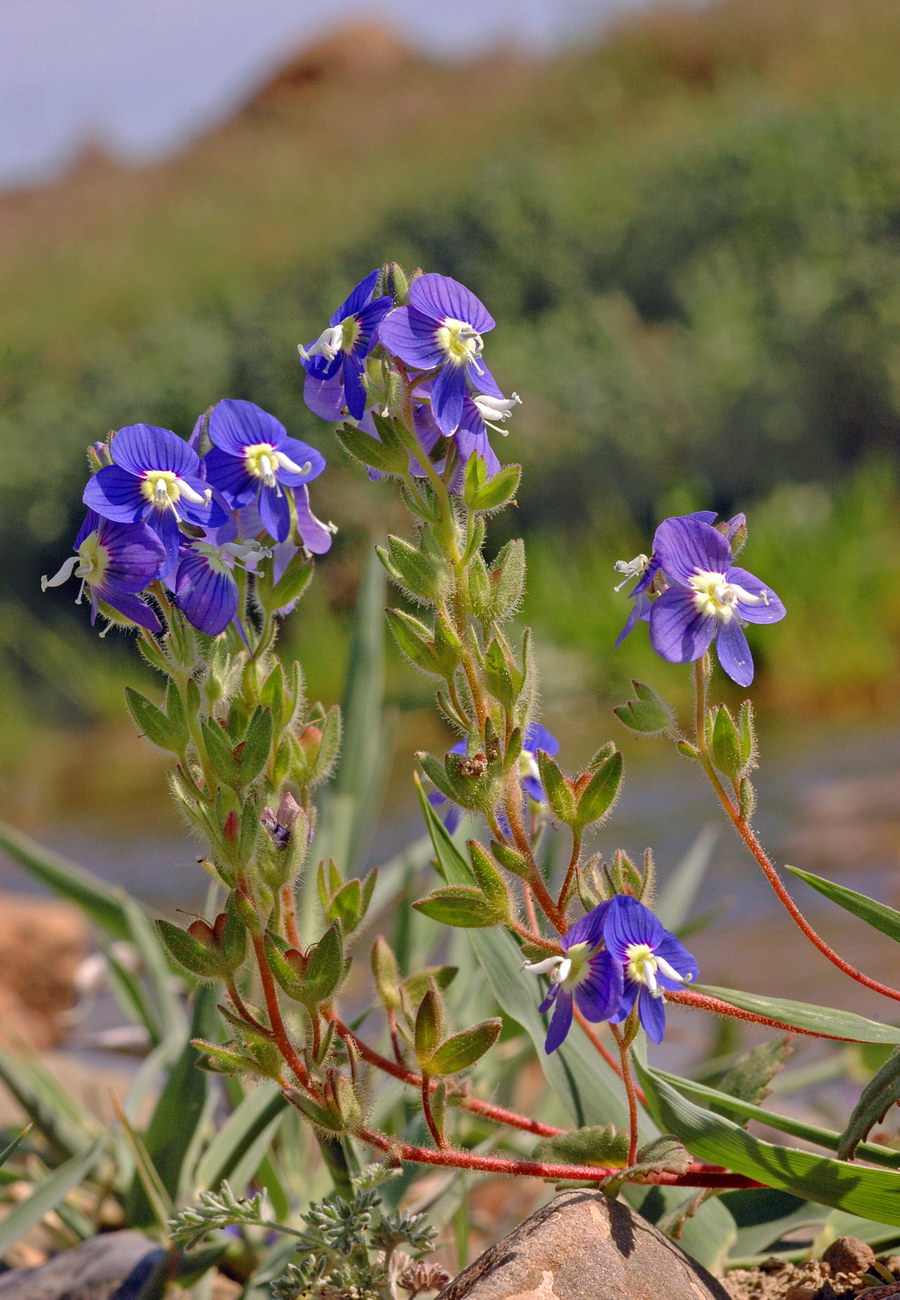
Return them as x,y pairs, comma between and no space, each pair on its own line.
688,236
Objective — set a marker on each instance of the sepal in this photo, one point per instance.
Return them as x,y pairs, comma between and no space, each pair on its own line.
648,713
388,456
481,493
411,569
599,793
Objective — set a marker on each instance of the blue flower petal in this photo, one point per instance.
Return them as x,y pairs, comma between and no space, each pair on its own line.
355,393
640,609
447,394
140,447
235,424
368,320
599,995
734,652
629,922
325,397
165,525
679,632
358,298
482,380
412,337
135,557
115,494
132,607
537,737
207,595
652,1012
772,612
314,535
588,928
678,957
301,454
275,512
684,544
440,297
561,1022
228,474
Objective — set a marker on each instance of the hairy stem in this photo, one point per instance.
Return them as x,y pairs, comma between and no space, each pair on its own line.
697,1175
624,1046
745,831
499,1114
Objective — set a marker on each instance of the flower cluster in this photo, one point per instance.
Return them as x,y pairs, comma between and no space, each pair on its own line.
161,518
692,593
433,336
616,957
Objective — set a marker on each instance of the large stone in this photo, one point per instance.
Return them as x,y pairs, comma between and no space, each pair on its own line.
582,1246
117,1266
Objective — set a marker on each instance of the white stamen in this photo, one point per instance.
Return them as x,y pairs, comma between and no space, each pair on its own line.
291,466
188,492
542,967
65,572
266,470
528,765
671,973
631,569
327,345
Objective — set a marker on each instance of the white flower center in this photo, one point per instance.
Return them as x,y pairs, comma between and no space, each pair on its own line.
642,965
459,340
263,461
630,569
163,489
716,598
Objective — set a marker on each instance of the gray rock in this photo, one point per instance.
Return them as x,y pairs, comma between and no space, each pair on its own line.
115,1266
582,1246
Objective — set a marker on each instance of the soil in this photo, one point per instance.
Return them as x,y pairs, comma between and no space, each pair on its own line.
848,1270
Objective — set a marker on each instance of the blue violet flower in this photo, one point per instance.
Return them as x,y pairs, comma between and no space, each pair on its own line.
335,362
253,459
585,976
709,597
155,478
650,959
114,562
441,330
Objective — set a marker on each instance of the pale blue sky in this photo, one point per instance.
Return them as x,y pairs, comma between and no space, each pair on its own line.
142,75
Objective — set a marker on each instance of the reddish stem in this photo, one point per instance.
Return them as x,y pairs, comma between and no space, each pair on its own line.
279,1031
743,828
705,1002
596,1042
243,1010
499,1114
628,1081
697,1175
